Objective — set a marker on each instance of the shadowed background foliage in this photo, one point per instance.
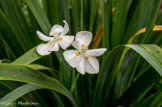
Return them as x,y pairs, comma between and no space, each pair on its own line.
130,70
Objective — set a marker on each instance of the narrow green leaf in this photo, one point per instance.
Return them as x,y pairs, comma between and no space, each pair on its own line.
9,35
25,74
17,93
5,61
150,57
107,11
138,9
151,20
40,67
157,101
28,57
63,75
53,72
119,21
137,88
64,4
93,14
53,11
147,101
17,19
39,15
75,16
109,72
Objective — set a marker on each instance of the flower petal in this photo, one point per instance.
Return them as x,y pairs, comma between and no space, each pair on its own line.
56,29
92,65
43,49
66,28
55,47
84,37
76,45
81,67
65,41
95,52
71,58
42,36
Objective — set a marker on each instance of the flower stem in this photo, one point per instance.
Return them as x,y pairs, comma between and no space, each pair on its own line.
74,83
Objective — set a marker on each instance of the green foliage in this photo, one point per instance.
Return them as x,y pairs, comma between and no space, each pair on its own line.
130,74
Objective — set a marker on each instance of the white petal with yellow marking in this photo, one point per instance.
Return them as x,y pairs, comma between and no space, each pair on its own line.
72,57
55,47
65,41
92,65
43,49
56,29
84,37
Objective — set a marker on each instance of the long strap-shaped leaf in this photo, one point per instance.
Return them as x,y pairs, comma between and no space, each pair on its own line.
151,53
25,74
28,57
39,14
15,94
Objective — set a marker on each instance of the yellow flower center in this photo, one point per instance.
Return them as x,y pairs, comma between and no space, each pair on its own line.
50,43
82,45
61,39
86,57
76,53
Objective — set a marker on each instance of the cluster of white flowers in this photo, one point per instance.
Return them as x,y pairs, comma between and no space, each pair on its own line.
82,58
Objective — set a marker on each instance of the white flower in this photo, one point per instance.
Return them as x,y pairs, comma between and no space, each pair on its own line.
56,37
83,59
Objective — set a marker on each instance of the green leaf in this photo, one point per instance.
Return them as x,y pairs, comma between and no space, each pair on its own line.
17,19
157,101
75,16
40,15
155,97
138,88
28,57
64,4
53,11
138,9
25,74
93,14
109,73
53,72
119,21
17,93
40,67
151,56
9,35
5,61
151,20
107,11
